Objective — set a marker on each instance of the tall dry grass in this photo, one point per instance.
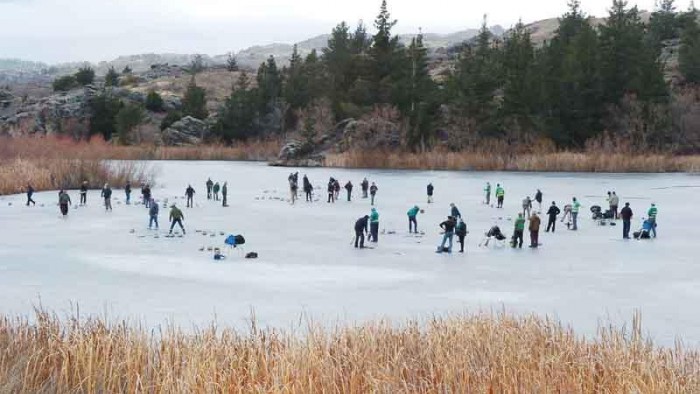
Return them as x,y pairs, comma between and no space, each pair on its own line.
546,162
51,163
481,353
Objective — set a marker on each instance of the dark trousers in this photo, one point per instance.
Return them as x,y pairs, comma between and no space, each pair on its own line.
552,224
349,195
626,225
223,200
500,202
29,200
179,222
153,219
309,198
128,198
518,238
614,211
216,196
374,231
64,209
460,239
330,197
208,193
108,204
372,199
412,224
534,238
488,198
83,198
189,202
364,193
360,237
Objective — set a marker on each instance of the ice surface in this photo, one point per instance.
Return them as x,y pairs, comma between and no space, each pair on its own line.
308,268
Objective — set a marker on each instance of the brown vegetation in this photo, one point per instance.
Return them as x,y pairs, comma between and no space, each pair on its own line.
482,353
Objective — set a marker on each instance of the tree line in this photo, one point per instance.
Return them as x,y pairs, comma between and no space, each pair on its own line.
586,80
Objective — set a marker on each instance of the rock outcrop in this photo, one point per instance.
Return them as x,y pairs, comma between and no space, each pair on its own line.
185,132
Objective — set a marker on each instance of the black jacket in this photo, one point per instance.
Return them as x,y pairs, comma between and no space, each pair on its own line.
553,211
189,192
430,190
626,213
538,197
448,226
362,224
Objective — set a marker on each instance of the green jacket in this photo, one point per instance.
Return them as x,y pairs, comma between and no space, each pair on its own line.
487,189
520,224
500,192
176,213
575,207
64,199
653,211
374,217
413,211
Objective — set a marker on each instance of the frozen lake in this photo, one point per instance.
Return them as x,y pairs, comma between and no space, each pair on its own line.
308,268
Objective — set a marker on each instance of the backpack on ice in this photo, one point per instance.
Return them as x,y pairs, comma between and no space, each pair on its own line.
235,240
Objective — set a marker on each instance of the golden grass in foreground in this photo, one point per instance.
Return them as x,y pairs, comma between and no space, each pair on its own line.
546,162
482,353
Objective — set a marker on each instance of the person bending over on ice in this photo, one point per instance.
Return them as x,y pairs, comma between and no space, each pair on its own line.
365,187
224,194
373,191
210,186
153,214
412,221
494,232
374,225
534,228
348,188
216,189
553,212
454,211
176,217
448,226
517,240
107,195
567,213
430,190
360,230
63,202
30,193
83,193
189,193
461,231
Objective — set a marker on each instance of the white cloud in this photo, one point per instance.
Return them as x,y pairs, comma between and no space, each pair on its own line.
61,30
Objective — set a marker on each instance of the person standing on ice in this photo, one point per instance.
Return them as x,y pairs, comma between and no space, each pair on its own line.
83,193
146,192
348,188
176,217
30,193
500,195
527,206
553,212
534,228
127,191
448,226
487,191
189,193
575,208
373,191
430,190
210,186
107,195
614,204
216,189
153,214
224,194
331,190
412,220
518,232
374,225
360,231
461,232
538,198
454,211
336,190
626,215
293,189
653,211
63,202
365,187
308,189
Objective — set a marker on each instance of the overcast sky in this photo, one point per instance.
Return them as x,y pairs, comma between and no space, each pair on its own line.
74,30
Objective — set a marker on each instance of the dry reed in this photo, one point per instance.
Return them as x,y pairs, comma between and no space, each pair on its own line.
480,353
545,162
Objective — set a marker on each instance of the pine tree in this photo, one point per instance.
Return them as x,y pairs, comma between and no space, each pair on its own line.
337,59
269,85
85,75
517,66
194,103
689,54
237,118
418,101
154,102
126,120
384,55
296,86
112,77
103,111
663,24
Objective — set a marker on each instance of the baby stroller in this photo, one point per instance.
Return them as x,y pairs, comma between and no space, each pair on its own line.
496,233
